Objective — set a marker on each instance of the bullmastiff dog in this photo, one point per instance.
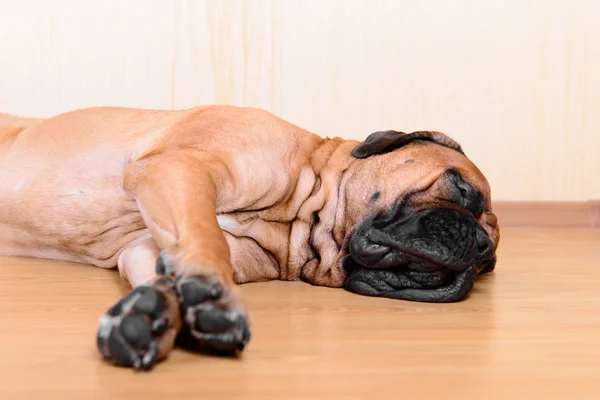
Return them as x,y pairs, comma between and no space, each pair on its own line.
188,204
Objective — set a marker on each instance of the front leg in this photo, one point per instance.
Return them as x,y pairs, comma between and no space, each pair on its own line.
177,196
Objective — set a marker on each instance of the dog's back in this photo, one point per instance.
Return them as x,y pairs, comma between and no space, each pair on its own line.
10,127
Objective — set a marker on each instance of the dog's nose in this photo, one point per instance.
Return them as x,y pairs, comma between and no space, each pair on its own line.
467,195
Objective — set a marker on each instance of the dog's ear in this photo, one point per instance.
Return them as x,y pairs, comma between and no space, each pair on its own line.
385,141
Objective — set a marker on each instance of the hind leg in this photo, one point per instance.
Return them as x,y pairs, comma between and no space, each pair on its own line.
137,262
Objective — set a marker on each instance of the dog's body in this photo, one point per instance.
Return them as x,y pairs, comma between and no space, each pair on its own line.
189,203
63,193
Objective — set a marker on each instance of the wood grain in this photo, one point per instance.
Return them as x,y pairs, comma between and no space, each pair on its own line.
515,82
529,330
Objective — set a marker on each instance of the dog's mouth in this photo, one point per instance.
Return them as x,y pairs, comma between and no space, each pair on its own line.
431,256
403,283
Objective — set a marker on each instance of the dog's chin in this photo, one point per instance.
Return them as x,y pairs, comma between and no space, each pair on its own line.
420,281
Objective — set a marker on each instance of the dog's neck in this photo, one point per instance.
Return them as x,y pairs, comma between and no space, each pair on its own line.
317,235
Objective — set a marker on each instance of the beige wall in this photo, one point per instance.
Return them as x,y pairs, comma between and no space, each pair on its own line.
517,82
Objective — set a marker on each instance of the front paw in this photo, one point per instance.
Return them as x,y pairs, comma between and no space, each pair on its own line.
141,328
213,315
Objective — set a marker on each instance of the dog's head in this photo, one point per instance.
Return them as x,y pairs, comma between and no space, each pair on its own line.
417,218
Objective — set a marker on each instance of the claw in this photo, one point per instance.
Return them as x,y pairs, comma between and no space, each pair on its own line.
147,361
159,326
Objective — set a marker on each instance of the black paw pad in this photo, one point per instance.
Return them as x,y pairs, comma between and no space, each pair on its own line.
136,330
150,301
195,291
210,320
120,351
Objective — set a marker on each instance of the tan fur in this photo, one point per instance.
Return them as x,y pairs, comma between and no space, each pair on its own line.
91,185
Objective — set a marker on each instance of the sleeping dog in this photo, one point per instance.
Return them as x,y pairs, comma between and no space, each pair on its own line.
187,204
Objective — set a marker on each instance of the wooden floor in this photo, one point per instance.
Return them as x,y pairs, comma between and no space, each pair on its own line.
530,330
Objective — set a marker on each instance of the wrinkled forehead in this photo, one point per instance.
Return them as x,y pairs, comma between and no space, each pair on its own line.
415,167
436,160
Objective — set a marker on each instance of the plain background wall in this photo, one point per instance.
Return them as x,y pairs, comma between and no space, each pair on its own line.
517,82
